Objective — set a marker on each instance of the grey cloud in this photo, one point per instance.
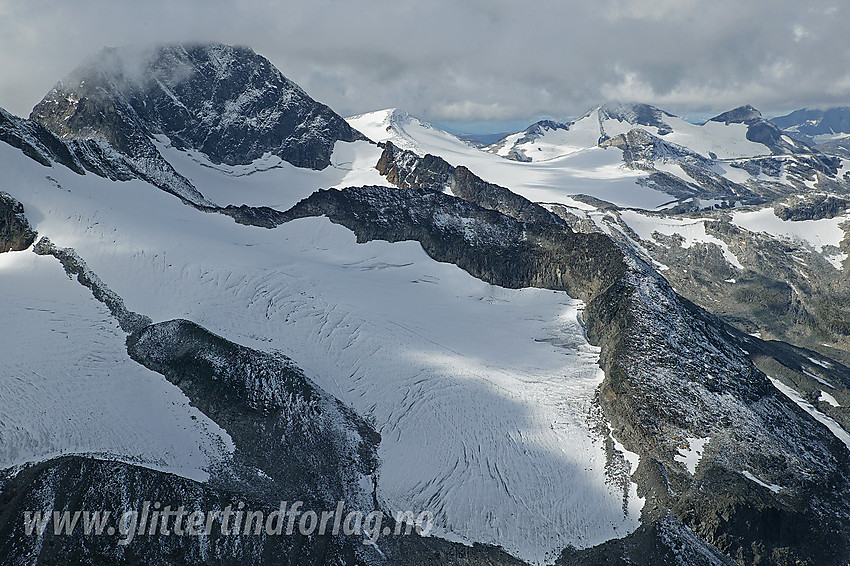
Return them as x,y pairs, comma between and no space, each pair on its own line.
471,60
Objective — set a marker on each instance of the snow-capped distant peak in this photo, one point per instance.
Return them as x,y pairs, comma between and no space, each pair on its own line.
405,131
636,114
547,139
742,115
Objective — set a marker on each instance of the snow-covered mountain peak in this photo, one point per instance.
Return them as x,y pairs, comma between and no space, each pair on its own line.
406,131
636,114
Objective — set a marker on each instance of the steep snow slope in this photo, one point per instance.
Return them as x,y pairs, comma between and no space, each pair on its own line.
406,131
482,395
593,171
270,181
68,386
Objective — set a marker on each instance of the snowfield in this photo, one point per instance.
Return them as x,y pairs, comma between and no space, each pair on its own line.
75,390
270,181
595,171
725,141
814,233
482,394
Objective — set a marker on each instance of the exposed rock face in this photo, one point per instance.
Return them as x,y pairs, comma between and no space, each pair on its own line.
37,142
15,231
407,170
95,155
227,102
808,123
76,483
642,151
811,207
665,541
783,289
637,114
508,252
741,115
293,441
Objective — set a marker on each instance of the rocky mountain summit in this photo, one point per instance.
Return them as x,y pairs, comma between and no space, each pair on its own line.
227,102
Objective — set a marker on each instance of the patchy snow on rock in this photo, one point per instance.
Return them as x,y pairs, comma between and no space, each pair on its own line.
827,398
691,230
828,422
818,379
771,486
692,455
594,171
822,363
815,233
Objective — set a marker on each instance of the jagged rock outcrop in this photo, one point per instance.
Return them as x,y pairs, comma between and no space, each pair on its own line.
75,266
407,170
293,441
811,207
16,234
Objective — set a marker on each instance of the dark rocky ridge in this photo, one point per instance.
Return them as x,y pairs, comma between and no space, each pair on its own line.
293,441
665,541
811,207
80,483
227,102
75,267
16,234
77,483
407,170
807,123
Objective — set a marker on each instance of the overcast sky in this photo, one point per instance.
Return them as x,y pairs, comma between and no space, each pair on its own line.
468,60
